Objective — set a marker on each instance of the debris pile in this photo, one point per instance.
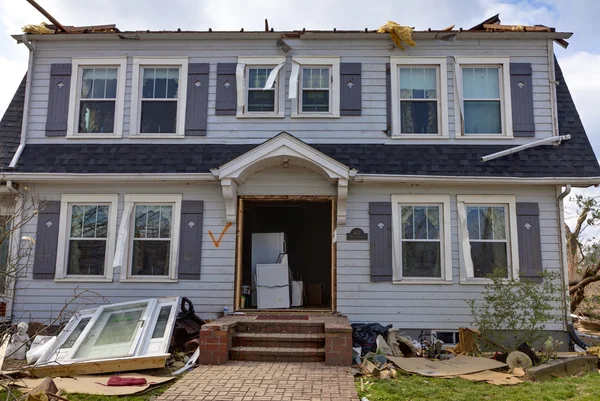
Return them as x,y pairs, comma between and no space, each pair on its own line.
400,34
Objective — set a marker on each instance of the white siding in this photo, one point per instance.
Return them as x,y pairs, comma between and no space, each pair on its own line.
373,54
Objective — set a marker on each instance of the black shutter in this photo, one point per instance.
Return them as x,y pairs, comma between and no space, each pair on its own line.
388,98
521,89
190,240
380,227
226,103
197,100
350,89
58,100
46,241
529,241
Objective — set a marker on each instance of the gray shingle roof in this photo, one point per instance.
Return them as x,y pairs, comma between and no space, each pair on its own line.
573,158
10,126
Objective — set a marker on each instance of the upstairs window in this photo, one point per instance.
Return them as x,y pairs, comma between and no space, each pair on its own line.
483,97
262,89
315,87
96,102
159,93
419,97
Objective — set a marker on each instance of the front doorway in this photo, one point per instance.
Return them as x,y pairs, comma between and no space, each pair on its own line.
285,253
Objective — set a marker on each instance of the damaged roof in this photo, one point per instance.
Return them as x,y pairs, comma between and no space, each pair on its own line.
573,158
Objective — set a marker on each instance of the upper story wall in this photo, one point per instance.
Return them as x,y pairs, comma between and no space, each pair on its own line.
373,55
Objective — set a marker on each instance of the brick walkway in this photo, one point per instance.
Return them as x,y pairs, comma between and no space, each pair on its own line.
264,381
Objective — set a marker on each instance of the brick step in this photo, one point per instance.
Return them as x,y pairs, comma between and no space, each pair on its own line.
283,354
278,326
279,340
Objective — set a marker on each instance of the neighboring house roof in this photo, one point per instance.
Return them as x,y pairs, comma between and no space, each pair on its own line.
573,158
10,127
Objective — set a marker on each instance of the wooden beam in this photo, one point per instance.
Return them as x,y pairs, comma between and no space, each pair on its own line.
95,367
47,15
517,28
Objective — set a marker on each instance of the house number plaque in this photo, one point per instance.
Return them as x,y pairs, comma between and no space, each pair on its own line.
357,234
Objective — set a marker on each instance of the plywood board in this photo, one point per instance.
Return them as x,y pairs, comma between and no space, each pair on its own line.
95,384
96,367
460,365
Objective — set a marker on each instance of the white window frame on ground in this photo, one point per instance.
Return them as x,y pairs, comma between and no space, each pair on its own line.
66,202
145,199
278,87
510,203
505,95
78,64
139,63
441,65
443,201
333,63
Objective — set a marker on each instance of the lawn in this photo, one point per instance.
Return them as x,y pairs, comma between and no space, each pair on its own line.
413,388
151,395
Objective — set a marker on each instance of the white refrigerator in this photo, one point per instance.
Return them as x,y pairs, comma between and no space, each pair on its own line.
266,249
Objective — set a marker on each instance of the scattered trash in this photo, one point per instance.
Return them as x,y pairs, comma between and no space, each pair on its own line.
491,377
356,351
187,325
460,365
364,335
467,342
44,391
400,34
189,363
519,372
382,346
518,359
527,350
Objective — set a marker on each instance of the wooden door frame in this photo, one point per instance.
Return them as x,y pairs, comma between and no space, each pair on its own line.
237,293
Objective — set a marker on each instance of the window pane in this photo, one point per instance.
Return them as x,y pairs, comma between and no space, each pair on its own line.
141,213
420,222
481,83
111,83
77,212
86,257
433,222
407,222
418,117
99,83
258,77
159,117
166,213
421,259
406,83
259,100
488,256
87,82
473,222
161,323
120,327
172,83
482,117
97,117
102,222
468,83
485,223
160,83
148,83
152,222
89,222
499,223
315,78
75,333
315,101
150,257
418,83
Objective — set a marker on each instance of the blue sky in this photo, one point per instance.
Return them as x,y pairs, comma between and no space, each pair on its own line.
580,62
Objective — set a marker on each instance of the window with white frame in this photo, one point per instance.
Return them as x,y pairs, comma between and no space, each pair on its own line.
489,244
96,100
86,238
484,91
159,88
419,97
263,94
421,235
154,236
315,87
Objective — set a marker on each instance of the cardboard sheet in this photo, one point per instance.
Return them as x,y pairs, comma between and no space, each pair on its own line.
497,378
460,365
89,384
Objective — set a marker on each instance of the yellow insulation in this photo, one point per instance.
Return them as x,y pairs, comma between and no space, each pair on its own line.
400,34
39,29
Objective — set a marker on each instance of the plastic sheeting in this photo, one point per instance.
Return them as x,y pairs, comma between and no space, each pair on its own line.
364,335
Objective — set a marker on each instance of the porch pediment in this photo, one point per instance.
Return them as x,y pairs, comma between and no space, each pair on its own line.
282,150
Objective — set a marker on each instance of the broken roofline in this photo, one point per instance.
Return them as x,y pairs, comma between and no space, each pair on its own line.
301,34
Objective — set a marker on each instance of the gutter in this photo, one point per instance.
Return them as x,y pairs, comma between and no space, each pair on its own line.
127,177
13,163
553,139
562,249
440,179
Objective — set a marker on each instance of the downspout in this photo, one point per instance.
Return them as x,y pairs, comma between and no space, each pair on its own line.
563,252
15,159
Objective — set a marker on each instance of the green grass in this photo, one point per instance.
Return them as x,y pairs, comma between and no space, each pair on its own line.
413,388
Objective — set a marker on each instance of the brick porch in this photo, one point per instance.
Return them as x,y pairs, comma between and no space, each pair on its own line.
319,338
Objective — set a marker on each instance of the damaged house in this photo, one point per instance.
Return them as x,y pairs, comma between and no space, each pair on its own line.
298,171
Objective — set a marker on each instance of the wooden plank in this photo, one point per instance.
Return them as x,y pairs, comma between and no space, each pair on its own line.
563,367
95,367
517,28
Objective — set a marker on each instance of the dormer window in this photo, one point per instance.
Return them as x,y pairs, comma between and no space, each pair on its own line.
96,100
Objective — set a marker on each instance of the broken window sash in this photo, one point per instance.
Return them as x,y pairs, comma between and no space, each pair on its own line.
128,329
